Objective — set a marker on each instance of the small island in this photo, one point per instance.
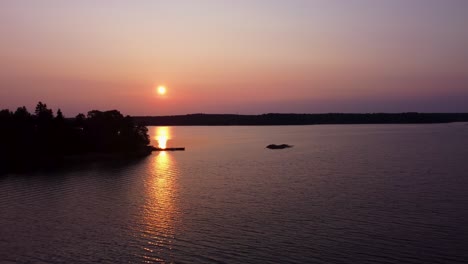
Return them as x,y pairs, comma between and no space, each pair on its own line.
43,140
281,146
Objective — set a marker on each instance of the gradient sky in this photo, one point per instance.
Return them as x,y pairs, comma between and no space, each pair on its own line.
243,56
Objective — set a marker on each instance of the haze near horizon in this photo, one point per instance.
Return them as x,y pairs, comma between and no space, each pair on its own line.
246,57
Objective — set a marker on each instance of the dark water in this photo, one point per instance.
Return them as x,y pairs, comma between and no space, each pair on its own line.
343,194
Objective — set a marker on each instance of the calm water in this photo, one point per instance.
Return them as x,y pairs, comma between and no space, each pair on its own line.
343,194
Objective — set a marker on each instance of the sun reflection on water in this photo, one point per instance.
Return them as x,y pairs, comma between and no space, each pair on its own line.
161,212
162,136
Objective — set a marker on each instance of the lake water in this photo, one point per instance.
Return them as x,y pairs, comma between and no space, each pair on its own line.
342,194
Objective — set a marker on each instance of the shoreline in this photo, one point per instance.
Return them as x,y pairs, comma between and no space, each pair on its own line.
300,119
337,124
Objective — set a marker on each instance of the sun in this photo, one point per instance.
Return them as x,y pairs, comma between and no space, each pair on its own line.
162,90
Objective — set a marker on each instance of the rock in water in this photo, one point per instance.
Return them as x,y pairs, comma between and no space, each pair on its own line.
282,146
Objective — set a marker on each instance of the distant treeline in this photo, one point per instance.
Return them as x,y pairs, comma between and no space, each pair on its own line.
42,138
300,119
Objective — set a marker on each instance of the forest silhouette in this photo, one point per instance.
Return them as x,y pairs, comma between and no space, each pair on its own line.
42,139
300,119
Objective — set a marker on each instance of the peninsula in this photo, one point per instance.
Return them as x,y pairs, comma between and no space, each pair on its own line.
44,139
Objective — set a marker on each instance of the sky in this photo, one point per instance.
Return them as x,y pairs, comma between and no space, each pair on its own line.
243,56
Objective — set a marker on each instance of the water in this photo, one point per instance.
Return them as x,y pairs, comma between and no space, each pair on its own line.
342,194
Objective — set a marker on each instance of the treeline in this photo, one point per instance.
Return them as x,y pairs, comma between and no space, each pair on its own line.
42,138
300,119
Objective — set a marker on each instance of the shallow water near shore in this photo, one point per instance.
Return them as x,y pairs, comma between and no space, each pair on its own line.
342,194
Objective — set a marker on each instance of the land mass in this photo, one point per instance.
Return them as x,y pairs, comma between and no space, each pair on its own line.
44,140
299,119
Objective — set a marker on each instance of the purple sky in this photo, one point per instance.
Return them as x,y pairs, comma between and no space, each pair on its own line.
246,56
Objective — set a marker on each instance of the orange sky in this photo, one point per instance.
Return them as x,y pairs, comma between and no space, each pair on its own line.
245,57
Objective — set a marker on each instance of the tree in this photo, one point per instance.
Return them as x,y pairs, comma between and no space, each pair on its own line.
142,135
59,116
43,113
21,113
80,120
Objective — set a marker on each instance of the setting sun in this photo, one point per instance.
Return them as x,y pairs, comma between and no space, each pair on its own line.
161,90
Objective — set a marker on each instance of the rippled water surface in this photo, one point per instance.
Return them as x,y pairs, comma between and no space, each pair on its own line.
342,194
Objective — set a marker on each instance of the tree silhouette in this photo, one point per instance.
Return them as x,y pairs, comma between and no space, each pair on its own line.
59,116
22,113
80,120
41,139
43,113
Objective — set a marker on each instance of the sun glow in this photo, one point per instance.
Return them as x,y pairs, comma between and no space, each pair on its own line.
161,90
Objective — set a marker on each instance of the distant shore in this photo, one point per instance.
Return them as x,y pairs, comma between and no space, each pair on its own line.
299,119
